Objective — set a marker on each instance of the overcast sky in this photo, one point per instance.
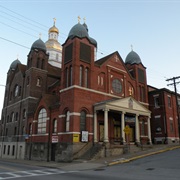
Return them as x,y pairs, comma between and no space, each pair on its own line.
151,27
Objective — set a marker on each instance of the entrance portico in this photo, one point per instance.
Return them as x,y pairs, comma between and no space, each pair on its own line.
130,111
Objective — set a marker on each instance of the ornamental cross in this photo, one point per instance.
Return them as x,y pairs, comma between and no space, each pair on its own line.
116,58
130,91
131,47
79,19
54,21
40,35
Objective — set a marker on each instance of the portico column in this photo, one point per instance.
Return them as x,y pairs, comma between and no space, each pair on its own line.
95,126
137,129
122,127
106,139
149,131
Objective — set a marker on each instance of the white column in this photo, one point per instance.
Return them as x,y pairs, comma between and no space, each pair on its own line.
122,127
149,131
106,139
95,126
137,129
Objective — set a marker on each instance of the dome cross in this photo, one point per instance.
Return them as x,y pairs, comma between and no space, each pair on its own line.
54,21
79,19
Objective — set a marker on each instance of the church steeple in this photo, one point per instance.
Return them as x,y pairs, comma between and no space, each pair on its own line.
54,48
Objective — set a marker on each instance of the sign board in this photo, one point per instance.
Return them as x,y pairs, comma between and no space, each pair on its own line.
75,137
54,139
127,129
84,136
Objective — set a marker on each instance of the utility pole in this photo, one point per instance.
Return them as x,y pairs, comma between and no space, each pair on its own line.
177,105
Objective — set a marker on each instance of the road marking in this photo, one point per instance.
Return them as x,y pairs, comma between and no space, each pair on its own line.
30,173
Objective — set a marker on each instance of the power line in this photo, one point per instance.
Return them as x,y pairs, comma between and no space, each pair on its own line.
18,29
14,43
20,24
24,17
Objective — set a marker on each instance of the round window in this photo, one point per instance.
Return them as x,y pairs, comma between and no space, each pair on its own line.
117,86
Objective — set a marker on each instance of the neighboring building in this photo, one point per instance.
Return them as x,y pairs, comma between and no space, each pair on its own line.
59,114
164,117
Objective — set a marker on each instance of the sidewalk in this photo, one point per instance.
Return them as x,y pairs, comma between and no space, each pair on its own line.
79,165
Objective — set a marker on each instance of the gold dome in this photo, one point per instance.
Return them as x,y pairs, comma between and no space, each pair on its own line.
54,28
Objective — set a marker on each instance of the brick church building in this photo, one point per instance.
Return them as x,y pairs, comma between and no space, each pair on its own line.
64,103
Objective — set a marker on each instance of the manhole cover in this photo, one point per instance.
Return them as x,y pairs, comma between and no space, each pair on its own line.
150,169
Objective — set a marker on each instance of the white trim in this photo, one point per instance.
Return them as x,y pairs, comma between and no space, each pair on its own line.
35,121
90,115
91,134
60,133
75,114
158,116
156,95
87,89
62,116
20,102
120,70
40,134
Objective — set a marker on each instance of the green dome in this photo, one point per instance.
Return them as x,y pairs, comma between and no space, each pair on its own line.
133,58
81,31
39,44
78,30
14,64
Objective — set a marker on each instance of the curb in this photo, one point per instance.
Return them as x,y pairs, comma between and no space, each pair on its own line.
142,156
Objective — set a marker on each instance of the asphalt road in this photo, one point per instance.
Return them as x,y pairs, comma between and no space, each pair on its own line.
164,166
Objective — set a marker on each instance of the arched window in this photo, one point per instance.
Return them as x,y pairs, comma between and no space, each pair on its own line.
16,90
42,117
81,76
38,63
42,63
27,81
15,131
24,113
39,82
19,94
54,125
16,116
143,128
12,117
83,121
86,77
67,77
7,119
71,76
67,120
23,130
30,129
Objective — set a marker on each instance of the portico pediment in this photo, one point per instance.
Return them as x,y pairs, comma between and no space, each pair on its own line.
127,104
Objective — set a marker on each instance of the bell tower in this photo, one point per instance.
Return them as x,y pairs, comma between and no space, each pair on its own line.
78,57
36,73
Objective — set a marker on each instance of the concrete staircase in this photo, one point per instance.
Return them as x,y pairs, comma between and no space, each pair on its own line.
92,152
